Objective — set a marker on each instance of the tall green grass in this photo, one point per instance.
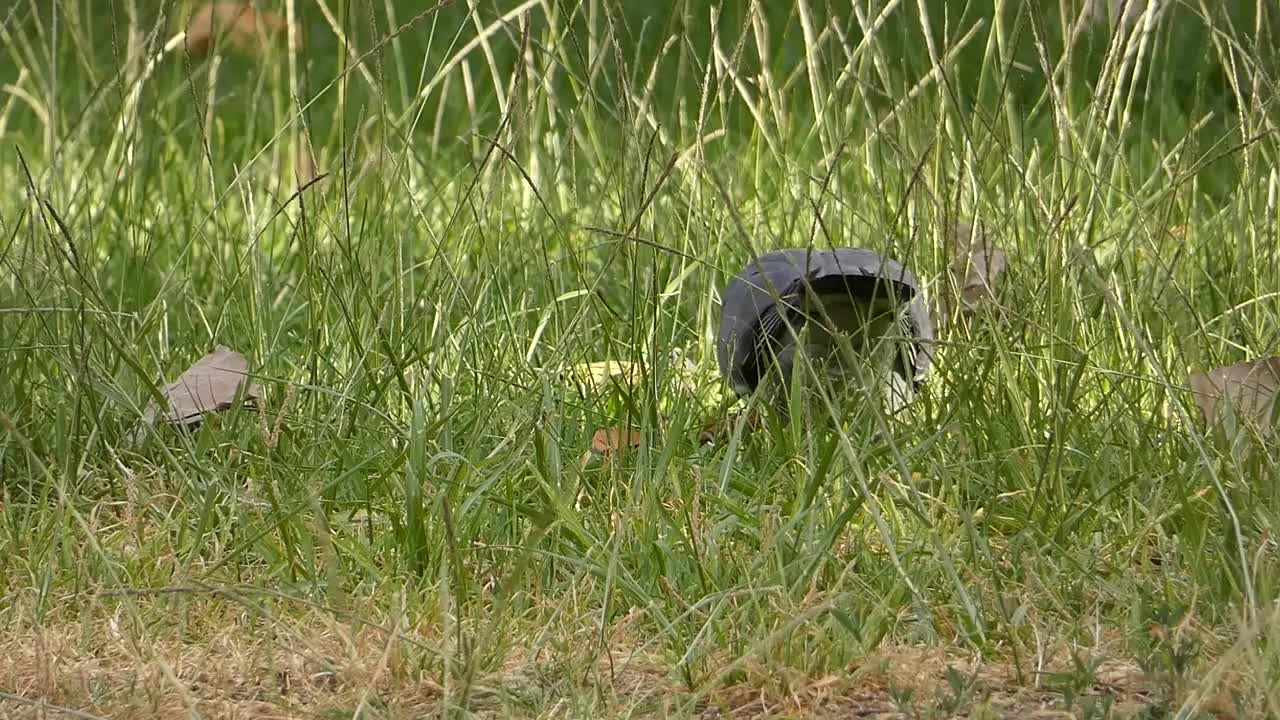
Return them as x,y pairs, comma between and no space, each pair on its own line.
507,190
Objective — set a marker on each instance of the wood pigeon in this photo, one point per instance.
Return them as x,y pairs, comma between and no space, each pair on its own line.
817,299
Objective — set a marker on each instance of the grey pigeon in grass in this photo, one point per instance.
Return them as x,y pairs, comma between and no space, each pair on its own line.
215,382
819,299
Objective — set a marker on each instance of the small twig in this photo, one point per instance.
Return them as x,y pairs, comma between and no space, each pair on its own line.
167,590
44,707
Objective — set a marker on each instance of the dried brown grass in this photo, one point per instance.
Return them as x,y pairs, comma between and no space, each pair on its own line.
226,663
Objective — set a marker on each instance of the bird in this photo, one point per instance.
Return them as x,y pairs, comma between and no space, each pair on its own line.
815,301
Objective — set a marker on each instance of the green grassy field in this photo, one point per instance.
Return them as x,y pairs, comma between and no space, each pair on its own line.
421,224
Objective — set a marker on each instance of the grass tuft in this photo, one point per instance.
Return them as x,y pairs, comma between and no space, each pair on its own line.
433,229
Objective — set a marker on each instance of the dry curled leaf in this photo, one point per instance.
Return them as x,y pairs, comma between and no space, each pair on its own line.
235,22
614,440
976,265
213,383
1244,392
611,442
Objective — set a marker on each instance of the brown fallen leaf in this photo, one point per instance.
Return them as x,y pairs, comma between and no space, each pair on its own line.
235,22
976,265
1249,388
213,383
614,440
607,443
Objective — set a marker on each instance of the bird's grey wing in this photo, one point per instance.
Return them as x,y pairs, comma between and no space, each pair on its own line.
858,263
756,308
885,276
855,287
764,303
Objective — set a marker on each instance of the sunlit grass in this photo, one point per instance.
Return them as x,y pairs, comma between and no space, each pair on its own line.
420,226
